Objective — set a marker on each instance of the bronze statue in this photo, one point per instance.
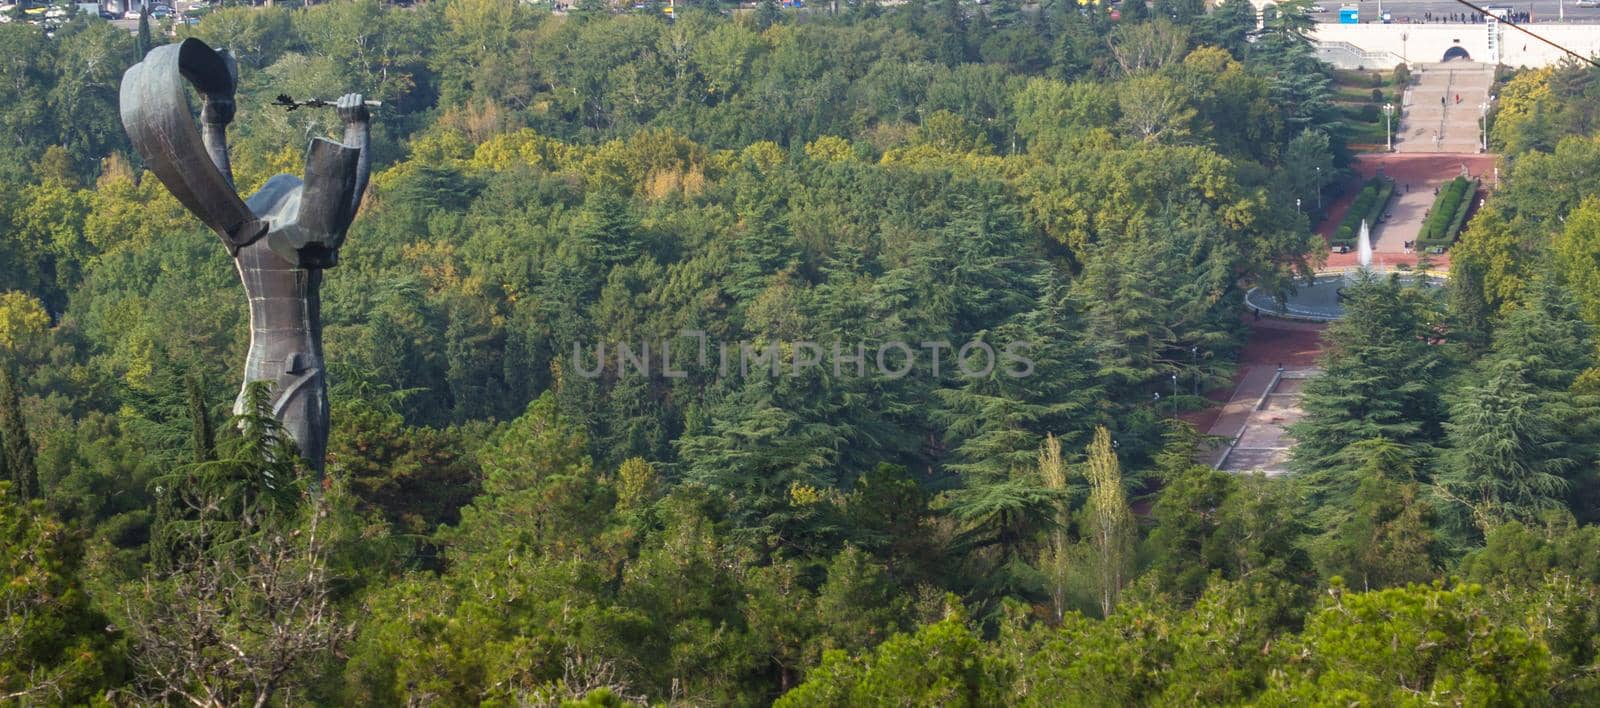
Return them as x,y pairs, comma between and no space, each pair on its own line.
281,238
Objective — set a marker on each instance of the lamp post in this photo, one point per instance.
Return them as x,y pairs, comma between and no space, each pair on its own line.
1297,204
1388,130
1483,118
1319,188
1194,359
1174,394
1483,122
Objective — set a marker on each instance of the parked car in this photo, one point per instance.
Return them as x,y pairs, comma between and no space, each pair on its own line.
1318,8
1588,3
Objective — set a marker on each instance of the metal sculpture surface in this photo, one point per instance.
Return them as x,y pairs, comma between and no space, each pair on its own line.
281,238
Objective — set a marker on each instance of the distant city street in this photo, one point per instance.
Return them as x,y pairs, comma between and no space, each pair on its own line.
1415,10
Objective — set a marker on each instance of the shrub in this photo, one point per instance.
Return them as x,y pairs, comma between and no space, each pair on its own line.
1442,217
1369,205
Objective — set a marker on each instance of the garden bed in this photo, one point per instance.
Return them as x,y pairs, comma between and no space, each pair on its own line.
1368,205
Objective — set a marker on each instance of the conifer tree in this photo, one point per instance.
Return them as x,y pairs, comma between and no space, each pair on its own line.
768,14
203,438
1385,536
145,41
1378,380
16,448
247,489
1520,435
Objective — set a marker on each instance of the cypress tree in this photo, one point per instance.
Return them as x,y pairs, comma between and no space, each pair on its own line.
145,41
203,437
16,450
768,14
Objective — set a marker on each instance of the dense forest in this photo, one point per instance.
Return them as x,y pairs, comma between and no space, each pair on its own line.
507,519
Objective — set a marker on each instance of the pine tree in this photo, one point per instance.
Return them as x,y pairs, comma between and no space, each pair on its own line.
1378,381
1508,451
1183,545
249,488
16,448
1471,317
997,422
1229,26
1520,436
203,437
1385,536
145,40
1108,520
607,225
770,451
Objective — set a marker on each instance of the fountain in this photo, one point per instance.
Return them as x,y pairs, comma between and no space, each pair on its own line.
1322,299
1364,247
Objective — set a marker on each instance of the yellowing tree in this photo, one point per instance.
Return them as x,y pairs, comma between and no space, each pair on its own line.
22,320
1108,520
1577,251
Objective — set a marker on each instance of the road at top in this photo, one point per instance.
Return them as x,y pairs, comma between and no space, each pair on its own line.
1542,10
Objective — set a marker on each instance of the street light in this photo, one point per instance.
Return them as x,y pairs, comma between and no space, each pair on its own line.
1194,359
1483,120
1297,204
1388,131
1319,188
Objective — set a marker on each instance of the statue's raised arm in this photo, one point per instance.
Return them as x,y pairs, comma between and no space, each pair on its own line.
155,111
357,134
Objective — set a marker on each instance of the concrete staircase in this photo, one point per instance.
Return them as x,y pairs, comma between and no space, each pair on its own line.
1432,120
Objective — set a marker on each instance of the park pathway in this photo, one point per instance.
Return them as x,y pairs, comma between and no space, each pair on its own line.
1440,113
1437,139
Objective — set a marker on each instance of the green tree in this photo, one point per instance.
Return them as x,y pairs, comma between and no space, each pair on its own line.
1378,380
1507,449
1396,644
16,447
1309,164
1108,522
1385,538
54,646
943,663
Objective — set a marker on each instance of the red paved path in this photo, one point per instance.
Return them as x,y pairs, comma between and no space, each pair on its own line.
1421,171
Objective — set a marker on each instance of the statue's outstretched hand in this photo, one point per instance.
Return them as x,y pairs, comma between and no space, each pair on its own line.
352,109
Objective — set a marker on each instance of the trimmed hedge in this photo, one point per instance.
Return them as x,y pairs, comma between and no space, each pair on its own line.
1369,205
1448,214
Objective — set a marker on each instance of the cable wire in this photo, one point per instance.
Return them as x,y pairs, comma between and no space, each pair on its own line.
1531,33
